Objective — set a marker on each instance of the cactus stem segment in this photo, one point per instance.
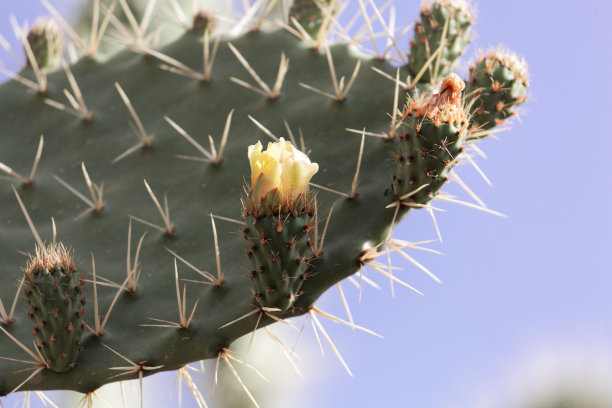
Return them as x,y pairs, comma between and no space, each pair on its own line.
30,180
341,89
274,92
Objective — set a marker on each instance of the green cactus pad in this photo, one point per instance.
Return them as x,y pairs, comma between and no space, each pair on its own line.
428,36
497,85
194,190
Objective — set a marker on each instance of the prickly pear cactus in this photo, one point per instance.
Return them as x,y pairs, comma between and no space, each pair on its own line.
144,170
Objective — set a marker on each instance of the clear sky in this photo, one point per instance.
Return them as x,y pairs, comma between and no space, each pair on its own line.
526,301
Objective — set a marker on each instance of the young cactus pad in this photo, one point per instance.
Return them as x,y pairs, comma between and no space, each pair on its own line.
129,176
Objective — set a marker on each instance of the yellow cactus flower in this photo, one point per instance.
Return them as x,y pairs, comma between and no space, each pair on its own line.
280,167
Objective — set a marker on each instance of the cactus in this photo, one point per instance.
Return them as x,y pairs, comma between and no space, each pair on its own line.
45,41
52,288
443,33
122,175
497,85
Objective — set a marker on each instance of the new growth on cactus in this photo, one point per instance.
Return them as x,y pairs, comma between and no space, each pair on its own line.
52,288
353,149
279,213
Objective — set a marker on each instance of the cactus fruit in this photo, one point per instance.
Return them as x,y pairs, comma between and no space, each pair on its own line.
444,28
131,129
52,287
497,85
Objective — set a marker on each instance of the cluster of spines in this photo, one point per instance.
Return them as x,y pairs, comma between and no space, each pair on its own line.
280,248
442,20
52,287
497,85
431,136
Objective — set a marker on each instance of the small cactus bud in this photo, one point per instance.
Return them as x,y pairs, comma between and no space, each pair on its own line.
52,287
435,128
45,40
309,14
457,16
497,85
203,21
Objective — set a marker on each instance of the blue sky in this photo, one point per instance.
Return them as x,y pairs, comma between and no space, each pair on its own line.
525,301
